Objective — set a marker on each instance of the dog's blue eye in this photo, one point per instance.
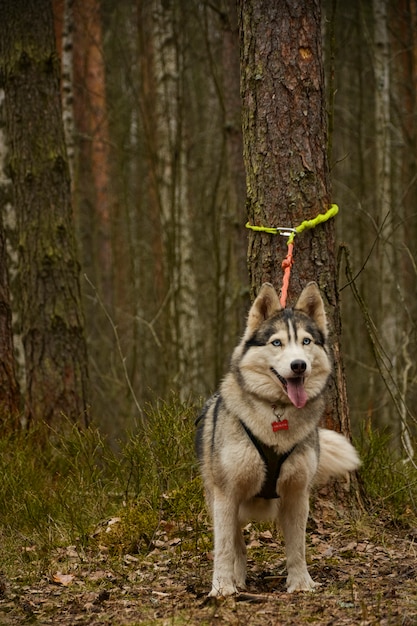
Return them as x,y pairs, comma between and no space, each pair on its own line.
306,341
277,343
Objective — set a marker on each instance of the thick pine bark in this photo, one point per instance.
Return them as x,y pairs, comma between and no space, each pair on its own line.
52,322
285,143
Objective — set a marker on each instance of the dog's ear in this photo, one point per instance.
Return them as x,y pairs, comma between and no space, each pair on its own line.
265,305
310,302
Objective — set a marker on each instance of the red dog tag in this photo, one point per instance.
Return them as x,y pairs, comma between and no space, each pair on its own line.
281,425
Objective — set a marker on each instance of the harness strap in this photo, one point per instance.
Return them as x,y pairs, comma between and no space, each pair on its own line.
273,463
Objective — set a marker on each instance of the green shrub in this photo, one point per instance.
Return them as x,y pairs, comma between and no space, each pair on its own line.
389,481
160,456
132,532
56,493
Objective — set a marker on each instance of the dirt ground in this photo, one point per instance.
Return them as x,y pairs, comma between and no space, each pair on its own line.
368,575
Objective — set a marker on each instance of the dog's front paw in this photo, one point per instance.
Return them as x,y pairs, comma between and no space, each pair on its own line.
301,583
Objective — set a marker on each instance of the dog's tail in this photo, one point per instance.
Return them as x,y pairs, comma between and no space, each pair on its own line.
337,456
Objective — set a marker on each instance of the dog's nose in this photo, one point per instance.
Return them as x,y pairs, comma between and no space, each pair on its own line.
298,366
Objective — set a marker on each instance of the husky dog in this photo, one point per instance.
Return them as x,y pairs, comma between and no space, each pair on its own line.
259,446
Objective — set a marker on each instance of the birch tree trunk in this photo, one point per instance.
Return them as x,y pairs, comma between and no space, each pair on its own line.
404,192
285,143
393,354
176,212
385,308
64,37
51,314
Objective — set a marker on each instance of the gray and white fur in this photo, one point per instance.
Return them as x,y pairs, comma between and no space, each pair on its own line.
258,442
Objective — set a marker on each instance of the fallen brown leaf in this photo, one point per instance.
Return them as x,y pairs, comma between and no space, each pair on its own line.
62,579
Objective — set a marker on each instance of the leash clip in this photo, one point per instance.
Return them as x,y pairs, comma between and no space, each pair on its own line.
285,231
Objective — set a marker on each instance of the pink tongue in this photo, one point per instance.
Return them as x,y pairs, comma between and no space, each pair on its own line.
296,392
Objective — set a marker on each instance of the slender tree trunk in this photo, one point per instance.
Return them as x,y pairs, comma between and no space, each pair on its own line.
236,168
176,211
52,321
64,37
395,140
149,121
388,312
285,144
92,122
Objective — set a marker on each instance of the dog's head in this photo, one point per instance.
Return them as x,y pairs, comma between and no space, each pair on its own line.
283,355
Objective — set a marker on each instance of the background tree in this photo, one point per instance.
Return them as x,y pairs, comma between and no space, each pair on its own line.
9,388
166,75
92,124
178,246
374,179
171,171
285,144
64,37
51,316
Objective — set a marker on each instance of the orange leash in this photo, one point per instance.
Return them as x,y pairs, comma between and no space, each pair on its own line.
279,230
286,266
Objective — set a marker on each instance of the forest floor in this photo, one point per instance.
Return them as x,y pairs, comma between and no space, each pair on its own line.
367,570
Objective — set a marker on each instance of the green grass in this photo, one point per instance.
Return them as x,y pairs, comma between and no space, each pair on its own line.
58,493
50,495
64,492
389,481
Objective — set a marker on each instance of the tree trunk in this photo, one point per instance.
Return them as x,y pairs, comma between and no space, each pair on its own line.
386,315
64,37
402,19
175,209
51,317
92,122
285,144
9,388
236,183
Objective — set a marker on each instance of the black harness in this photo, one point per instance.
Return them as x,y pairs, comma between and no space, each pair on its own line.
273,463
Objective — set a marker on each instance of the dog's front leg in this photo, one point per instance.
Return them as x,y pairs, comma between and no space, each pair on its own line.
229,552
293,514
